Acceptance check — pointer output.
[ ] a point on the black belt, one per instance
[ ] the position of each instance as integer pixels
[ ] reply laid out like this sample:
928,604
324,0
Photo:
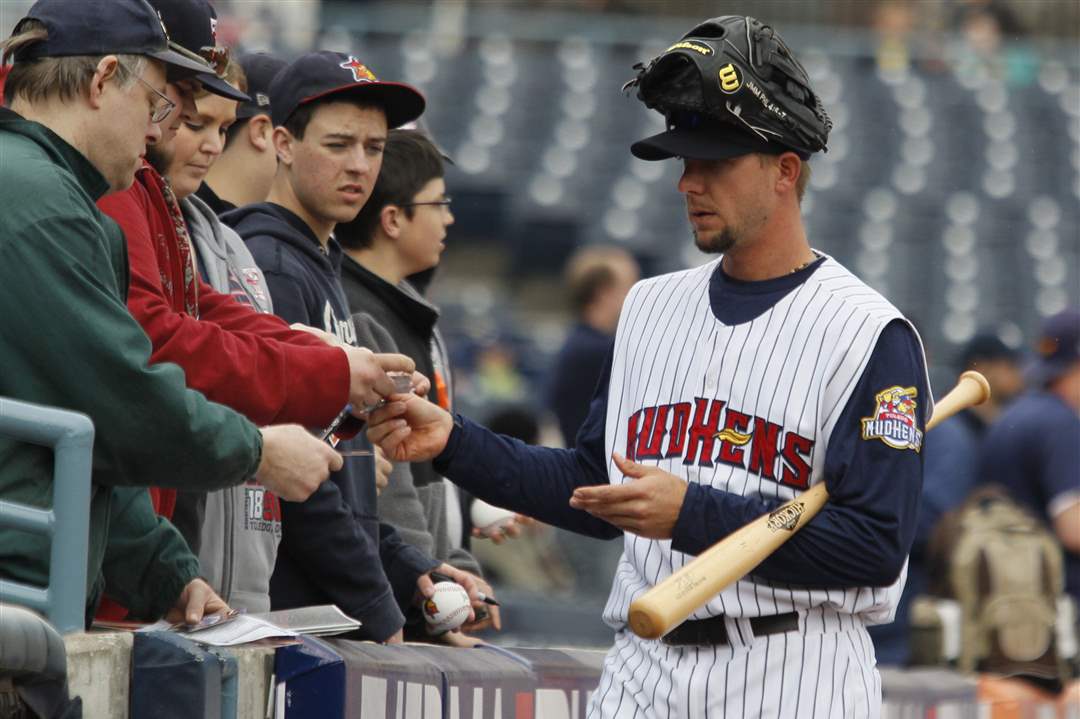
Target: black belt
706,632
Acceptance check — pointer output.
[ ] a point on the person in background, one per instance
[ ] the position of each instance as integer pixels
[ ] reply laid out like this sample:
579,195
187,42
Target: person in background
597,280
1033,451
245,169
950,471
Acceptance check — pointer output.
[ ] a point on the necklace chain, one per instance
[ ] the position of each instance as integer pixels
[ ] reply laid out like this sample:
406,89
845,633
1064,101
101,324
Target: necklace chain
806,264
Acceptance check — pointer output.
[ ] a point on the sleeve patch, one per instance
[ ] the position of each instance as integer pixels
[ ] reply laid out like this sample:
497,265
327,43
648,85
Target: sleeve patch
894,421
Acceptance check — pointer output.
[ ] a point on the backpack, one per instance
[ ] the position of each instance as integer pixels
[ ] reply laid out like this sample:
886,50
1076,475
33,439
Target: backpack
1004,572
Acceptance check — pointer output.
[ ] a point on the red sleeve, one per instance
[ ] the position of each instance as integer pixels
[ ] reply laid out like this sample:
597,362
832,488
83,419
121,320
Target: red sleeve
247,369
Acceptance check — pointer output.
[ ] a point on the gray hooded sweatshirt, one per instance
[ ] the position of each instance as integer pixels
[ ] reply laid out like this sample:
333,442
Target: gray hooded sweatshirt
240,527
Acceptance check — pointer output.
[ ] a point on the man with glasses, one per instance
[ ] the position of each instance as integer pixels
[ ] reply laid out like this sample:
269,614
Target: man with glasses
80,110
401,231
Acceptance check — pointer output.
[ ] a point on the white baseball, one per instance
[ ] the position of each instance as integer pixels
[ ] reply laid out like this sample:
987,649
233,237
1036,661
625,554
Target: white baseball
448,608
488,518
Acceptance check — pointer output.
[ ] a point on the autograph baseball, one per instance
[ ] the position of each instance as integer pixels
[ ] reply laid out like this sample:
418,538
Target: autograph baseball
488,518
448,608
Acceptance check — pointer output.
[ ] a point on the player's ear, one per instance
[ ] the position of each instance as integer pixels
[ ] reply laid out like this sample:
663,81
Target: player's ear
789,167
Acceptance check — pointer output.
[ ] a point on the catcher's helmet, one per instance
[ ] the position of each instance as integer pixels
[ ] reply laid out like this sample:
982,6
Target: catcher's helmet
728,87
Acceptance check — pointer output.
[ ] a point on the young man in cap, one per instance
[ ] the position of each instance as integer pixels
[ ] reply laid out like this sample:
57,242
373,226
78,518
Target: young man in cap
331,117
81,109
731,388
244,172
1033,448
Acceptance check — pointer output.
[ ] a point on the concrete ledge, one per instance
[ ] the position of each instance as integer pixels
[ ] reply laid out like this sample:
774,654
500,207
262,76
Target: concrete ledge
254,667
99,671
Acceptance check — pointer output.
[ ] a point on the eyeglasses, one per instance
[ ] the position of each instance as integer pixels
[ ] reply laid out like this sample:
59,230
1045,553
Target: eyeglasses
444,202
160,108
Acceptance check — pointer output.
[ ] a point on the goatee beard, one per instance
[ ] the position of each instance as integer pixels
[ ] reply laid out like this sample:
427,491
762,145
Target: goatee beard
715,244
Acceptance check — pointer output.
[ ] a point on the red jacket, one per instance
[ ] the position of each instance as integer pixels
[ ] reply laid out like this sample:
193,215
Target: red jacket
234,355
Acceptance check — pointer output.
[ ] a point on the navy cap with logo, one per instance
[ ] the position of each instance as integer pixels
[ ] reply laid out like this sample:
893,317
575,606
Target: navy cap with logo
319,75
1058,348
260,70
699,137
103,27
192,28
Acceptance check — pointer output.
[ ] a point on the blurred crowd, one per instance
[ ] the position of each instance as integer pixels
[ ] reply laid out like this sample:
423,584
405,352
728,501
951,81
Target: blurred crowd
208,253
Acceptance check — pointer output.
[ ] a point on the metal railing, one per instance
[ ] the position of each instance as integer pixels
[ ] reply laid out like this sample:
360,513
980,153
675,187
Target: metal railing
67,524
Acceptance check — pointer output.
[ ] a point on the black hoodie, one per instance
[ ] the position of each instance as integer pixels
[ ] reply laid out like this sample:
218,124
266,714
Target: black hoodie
333,548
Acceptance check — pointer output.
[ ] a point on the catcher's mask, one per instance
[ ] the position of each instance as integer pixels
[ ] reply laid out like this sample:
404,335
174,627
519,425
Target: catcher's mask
729,87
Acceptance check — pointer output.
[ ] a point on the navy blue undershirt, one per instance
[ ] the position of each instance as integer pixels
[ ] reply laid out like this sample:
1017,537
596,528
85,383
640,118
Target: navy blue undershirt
860,538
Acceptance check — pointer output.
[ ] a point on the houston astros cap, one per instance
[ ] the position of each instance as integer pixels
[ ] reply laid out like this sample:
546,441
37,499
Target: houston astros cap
192,28
319,75
103,27
260,70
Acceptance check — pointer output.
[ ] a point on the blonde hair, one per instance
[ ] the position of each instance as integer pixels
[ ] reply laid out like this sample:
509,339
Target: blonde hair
68,77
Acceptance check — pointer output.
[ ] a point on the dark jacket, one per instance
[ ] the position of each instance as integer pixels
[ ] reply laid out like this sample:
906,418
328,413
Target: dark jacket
67,340
333,548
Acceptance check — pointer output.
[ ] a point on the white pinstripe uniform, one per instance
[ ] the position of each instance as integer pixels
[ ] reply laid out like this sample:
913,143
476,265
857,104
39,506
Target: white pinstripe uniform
790,372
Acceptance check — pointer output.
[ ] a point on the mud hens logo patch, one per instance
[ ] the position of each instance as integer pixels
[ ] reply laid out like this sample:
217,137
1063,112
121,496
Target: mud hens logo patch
708,431
360,72
894,420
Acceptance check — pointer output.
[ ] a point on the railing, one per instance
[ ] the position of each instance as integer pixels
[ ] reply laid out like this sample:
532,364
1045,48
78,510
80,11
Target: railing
67,524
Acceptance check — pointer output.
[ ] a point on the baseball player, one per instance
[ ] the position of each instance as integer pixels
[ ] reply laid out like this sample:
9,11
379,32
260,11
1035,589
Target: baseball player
730,388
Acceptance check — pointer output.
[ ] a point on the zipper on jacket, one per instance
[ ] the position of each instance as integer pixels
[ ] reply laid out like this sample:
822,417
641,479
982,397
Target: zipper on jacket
230,543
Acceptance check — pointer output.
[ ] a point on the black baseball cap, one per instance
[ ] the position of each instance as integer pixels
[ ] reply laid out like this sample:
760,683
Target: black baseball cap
319,75
698,137
260,69
103,27
192,28
1058,348
986,347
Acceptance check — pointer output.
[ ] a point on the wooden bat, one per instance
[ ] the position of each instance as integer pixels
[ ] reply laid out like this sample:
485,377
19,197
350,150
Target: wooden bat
669,603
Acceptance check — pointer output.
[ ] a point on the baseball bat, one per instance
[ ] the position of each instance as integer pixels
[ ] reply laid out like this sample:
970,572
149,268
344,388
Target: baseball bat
670,602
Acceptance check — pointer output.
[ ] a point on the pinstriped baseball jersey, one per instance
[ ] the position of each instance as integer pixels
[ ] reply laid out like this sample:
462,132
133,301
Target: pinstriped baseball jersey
746,408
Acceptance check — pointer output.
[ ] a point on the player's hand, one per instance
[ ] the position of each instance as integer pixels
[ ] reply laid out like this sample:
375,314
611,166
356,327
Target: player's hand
410,429
510,530
397,637
648,505
383,468
327,337
368,381
197,600
294,463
